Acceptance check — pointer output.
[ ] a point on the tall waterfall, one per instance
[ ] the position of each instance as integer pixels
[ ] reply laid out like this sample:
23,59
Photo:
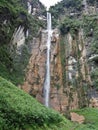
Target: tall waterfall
47,78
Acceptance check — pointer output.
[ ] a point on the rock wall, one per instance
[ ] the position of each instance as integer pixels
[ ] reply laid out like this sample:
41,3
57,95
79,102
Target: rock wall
36,69
70,68
34,81
69,71
76,71
70,74
72,92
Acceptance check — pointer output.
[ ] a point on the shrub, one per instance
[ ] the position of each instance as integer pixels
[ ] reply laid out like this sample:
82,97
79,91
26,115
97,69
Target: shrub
18,109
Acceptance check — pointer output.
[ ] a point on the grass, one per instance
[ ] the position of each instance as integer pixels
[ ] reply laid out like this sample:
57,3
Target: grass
91,118
18,110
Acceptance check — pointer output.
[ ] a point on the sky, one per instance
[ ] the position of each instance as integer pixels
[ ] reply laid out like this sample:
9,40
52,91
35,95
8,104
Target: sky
49,3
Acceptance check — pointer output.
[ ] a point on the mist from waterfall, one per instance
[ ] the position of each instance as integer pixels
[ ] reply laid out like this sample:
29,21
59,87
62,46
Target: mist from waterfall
47,78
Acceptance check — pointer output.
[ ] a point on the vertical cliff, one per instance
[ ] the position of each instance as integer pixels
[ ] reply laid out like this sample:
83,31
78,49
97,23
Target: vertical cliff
35,76
78,26
72,83
69,70
20,21
73,56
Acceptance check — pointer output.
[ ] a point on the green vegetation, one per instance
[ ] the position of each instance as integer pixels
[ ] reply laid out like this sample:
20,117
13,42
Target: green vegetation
63,60
90,24
91,118
13,67
91,30
94,76
18,110
13,13
70,25
65,8
69,4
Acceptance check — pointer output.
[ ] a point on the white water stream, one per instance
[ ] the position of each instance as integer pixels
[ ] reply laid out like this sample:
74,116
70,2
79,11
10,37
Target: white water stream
29,7
86,6
47,78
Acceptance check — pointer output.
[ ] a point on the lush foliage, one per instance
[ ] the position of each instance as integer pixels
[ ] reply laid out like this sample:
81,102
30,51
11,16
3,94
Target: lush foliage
90,25
60,7
13,13
94,76
65,8
70,25
11,68
91,118
10,18
18,109
63,60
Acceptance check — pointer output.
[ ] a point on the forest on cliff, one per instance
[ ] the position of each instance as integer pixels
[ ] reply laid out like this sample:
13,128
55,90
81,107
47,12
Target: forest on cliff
73,94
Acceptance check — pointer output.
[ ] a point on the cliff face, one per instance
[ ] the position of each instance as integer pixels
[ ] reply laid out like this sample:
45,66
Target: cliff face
35,76
36,68
74,52
71,65
69,71
76,76
18,26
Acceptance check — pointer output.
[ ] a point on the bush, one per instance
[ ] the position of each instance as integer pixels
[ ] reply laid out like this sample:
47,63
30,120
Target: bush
19,110
70,25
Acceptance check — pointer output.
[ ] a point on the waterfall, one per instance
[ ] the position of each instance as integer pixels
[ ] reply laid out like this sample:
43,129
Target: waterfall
86,6
47,78
29,7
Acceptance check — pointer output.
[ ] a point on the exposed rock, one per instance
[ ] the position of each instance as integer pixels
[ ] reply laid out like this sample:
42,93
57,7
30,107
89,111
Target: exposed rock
77,118
63,97
94,102
18,40
35,75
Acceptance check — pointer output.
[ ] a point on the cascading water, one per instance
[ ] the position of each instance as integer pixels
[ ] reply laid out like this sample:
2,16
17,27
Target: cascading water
47,78
86,6
29,7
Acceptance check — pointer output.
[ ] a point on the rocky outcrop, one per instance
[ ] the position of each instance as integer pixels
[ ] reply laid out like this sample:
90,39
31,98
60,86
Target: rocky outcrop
77,118
94,102
36,8
18,40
